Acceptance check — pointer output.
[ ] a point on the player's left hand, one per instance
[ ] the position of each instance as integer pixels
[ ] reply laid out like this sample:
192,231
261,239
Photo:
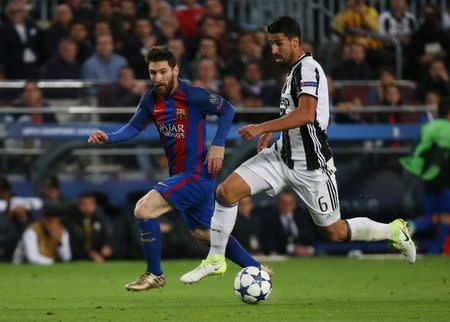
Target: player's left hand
249,132
214,160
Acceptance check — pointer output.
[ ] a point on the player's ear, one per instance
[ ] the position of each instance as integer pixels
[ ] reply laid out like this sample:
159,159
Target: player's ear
176,70
296,43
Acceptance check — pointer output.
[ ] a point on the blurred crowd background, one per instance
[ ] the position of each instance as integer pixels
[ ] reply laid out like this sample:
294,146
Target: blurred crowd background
387,62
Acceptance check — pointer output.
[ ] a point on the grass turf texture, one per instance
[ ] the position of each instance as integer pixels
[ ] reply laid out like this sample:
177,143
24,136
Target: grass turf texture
303,289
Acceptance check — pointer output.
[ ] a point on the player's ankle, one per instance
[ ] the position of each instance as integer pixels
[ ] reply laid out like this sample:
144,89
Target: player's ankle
215,259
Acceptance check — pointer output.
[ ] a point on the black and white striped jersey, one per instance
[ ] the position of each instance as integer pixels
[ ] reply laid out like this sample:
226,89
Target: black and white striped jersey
391,26
306,147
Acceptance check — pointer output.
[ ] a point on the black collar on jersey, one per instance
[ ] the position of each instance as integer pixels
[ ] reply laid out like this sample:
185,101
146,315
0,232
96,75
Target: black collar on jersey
305,55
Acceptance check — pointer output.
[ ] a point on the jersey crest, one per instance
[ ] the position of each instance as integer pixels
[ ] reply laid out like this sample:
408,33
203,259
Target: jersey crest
181,113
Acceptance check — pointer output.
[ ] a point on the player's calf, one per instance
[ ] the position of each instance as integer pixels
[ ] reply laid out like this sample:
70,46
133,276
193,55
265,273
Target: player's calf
337,232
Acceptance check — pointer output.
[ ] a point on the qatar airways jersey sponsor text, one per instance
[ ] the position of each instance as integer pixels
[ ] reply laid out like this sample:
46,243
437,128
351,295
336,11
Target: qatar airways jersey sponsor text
171,130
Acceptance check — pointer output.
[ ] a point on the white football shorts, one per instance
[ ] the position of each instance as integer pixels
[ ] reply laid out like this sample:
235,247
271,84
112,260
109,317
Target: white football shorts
267,172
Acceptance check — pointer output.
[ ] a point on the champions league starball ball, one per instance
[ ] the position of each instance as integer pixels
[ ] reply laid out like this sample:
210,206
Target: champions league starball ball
252,285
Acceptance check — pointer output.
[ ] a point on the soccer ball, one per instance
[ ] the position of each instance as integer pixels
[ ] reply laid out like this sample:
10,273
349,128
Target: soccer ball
252,285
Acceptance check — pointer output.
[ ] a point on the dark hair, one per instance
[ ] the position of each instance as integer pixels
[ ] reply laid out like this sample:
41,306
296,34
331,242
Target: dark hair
204,18
51,211
86,195
386,69
68,40
285,25
444,107
52,181
161,53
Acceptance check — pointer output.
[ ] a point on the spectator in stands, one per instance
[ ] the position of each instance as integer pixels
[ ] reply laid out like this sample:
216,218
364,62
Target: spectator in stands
79,34
16,213
431,162
137,46
206,75
397,22
208,49
214,27
80,11
393,99
285,230
432,99
155,9
20,42
214,8
188,15
50,189
104,65
176,45
169,28
105,12
32,96
247,228
436,78
127,9
125,15
356,68
125,92
377,95
253,84
262,41
359,16
89,232
358,23
429,42
232,90
345,107
59,29
52,196
45,242
63,65
248,50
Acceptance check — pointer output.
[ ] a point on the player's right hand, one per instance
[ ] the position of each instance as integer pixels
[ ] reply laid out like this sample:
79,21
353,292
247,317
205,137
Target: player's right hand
263,141
98,137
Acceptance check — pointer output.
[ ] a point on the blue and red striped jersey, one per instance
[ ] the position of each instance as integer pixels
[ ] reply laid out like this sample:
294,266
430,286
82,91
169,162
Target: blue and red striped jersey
180,120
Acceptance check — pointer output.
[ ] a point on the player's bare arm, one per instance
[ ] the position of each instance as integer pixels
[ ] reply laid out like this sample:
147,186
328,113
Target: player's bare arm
305,113
98,137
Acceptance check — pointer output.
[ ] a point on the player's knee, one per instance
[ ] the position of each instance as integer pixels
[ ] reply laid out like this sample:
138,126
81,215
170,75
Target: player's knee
225,194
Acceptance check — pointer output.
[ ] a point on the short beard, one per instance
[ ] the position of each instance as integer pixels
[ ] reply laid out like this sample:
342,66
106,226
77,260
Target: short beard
286,62
167,89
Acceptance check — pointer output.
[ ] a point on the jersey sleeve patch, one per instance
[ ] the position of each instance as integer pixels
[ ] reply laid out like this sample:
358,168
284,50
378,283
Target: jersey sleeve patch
215,100
309,84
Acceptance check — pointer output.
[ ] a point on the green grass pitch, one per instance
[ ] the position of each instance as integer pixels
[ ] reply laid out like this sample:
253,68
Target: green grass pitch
315,289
